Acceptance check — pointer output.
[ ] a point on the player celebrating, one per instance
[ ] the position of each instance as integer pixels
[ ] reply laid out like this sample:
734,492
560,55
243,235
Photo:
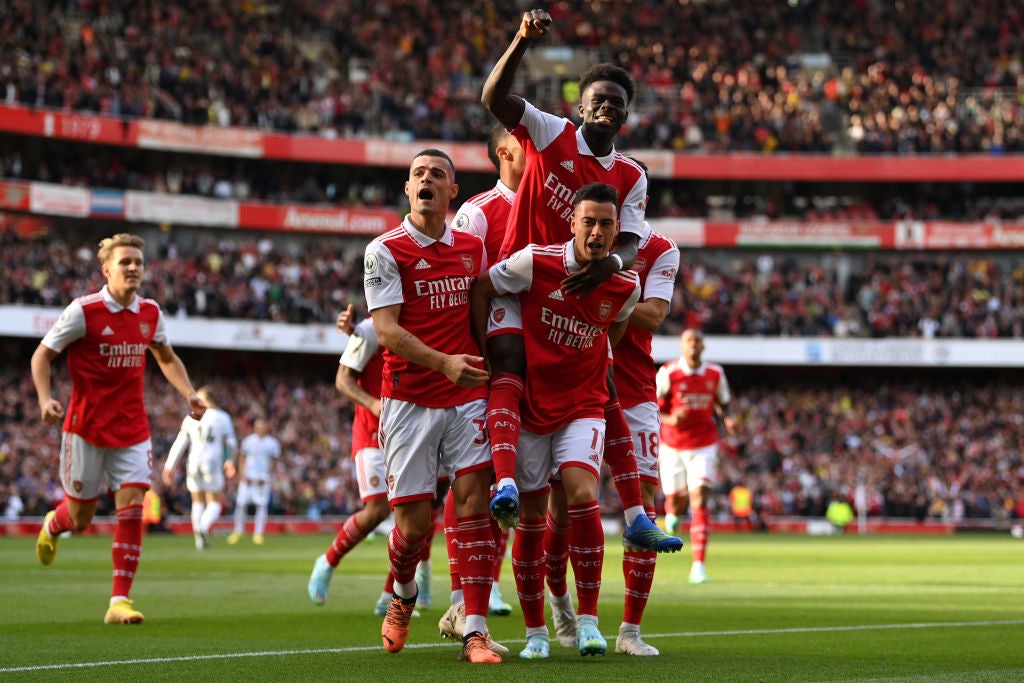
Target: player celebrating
566,341
560,159
212,446
690,393
486,216
105,433
433,405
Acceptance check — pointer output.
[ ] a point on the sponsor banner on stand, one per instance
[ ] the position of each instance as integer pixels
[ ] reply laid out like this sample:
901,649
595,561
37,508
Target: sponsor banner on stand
59,200
168,135
202,333
152,207
106,204
466,157
686,232
298,218
813,234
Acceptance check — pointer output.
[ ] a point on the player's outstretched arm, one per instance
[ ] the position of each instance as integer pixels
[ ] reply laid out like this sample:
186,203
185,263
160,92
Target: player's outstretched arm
175,372
497,92
50,409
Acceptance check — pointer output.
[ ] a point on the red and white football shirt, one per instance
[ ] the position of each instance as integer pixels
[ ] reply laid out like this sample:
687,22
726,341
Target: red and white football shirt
106,345
565,337
486,215
363,354
657,263
431,279
558,163
699,390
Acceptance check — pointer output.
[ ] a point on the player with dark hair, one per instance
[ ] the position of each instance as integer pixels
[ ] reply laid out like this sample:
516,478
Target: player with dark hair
691,394
560,159
567,342
433,395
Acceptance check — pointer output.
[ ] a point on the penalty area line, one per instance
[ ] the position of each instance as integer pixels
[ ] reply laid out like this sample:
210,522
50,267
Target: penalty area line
423,646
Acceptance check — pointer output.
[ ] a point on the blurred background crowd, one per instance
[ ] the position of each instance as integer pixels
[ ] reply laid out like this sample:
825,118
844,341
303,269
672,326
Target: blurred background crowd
862,77
796,76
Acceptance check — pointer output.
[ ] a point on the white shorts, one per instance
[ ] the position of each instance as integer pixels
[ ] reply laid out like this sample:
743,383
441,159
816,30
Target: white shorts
542,456
84,467
423,444
682,470
506,315
253,492
370,474
645,425
206,476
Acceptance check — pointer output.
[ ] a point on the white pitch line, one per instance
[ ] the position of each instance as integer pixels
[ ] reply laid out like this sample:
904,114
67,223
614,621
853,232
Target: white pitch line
421,646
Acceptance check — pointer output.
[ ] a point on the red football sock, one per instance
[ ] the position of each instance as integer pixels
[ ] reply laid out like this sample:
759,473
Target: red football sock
349,535
528,567
699,532
404,555
503,422
618,453
451,527
127,548
638,573
476,559
61,521
500,547
556,553
586,553
435,512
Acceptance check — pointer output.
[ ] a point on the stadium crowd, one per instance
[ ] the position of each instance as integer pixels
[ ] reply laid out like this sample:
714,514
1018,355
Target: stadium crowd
854,294
920,451
716,76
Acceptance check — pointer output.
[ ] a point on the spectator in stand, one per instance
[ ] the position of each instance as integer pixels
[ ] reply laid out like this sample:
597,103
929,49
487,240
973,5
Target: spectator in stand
718,82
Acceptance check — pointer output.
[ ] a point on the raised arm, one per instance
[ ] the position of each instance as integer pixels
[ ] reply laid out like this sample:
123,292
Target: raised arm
497,93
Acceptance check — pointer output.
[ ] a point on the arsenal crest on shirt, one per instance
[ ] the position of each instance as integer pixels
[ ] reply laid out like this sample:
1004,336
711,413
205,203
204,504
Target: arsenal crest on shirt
467,261
605,309
144,329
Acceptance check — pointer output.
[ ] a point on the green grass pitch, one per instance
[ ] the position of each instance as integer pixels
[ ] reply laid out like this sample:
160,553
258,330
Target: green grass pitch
779,608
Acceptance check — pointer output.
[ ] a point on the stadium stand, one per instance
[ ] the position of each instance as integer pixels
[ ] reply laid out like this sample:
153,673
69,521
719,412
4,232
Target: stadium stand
863,86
